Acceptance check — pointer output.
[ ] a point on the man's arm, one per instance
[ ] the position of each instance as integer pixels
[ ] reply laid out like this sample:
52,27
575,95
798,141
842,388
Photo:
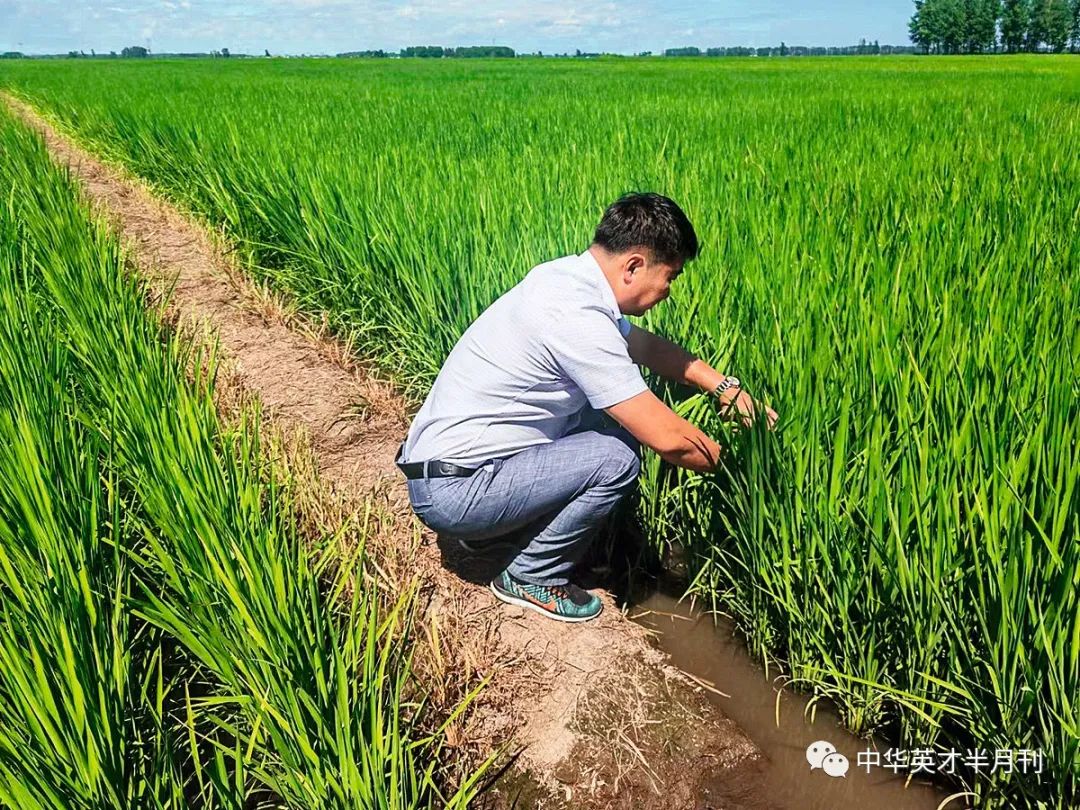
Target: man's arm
673,362
670,360
674,439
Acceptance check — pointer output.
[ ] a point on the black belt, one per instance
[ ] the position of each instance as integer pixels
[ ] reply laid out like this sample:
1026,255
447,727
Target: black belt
432,469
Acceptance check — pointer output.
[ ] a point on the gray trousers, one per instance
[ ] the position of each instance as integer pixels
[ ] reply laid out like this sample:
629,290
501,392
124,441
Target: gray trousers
549,498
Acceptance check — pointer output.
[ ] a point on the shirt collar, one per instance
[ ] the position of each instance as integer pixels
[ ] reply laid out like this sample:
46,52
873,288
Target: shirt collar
607,294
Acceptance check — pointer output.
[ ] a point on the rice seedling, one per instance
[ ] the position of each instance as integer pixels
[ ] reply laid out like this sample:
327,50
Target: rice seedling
173,642
87,690
890,259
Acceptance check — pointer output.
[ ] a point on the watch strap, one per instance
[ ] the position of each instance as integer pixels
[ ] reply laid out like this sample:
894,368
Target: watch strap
727,384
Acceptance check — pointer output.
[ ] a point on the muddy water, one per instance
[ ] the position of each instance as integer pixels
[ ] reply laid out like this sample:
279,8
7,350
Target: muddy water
713,653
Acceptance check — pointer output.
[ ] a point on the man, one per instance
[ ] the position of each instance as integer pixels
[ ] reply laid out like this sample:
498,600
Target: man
511,439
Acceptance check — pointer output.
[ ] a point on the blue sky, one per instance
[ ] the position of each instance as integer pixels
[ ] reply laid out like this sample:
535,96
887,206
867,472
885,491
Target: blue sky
331,26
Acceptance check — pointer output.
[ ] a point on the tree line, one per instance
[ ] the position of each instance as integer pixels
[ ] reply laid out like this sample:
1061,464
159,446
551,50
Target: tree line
139,52
864,48
987,26
436,52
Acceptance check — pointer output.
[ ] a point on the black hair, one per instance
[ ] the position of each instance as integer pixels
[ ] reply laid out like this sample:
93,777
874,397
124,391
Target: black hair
647,220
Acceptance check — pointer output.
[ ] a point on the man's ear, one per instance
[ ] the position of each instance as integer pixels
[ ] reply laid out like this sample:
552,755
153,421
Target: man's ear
633,263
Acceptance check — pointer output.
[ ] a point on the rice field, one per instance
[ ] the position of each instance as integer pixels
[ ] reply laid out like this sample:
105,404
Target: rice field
890,258
171,638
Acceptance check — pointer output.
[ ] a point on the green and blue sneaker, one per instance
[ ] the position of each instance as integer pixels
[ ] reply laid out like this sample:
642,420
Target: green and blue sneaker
564,603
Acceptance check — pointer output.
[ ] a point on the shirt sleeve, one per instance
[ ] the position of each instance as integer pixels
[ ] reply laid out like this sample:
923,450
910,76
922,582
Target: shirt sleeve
591,349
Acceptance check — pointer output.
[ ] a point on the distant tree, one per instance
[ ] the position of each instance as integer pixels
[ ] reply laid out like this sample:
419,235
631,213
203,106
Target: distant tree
266,51
926,25
954,26
783,48
135,52
735,50
1039,25
990,12
426,51
225,52
1015,17
688,51
918,28
11,55
112,53
475,51
1061,24
1035,32
1075,32
1051,23
971,34
980,25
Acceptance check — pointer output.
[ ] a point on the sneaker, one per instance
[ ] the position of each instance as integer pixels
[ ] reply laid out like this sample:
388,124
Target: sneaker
564,603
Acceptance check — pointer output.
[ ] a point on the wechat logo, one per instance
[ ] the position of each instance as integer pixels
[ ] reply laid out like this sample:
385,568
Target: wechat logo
822,754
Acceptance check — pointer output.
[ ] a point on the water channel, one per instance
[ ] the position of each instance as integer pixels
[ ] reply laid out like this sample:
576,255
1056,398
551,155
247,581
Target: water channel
712,653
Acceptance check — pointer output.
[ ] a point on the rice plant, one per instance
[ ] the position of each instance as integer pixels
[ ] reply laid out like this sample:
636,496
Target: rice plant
171,640
890,259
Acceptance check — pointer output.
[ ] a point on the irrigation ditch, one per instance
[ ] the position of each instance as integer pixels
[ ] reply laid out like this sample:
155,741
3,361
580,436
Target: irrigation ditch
596,715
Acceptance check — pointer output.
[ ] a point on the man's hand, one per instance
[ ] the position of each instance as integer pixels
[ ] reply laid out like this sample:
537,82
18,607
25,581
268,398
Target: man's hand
741,406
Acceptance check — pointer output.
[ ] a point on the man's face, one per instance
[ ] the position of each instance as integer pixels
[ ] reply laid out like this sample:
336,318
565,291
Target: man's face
646,282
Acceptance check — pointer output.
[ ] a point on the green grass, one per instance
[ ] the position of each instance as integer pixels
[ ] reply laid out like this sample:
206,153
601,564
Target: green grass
890,258
170,640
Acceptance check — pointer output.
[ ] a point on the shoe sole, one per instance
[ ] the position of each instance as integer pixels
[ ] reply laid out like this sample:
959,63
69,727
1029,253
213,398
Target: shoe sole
525,603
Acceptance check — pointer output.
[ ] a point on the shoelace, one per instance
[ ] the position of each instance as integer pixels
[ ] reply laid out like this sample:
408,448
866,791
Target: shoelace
549,591
560,591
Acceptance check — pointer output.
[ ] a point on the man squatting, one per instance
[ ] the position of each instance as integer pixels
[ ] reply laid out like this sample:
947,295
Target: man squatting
512,445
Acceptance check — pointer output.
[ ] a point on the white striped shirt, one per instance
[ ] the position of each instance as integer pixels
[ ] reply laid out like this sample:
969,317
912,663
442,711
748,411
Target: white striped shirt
524,370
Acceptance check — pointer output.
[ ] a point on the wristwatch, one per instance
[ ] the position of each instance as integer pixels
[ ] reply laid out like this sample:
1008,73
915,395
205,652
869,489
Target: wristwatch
725,384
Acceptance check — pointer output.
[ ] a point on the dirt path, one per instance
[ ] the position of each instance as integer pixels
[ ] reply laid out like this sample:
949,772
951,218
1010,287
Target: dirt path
603,719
